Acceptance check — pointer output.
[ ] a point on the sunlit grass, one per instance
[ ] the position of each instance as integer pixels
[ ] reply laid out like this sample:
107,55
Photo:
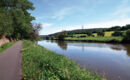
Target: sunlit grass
96,39
78,35
106,34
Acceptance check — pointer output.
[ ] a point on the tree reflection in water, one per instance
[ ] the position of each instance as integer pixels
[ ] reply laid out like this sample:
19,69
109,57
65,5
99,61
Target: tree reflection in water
119,47
127,46
62,45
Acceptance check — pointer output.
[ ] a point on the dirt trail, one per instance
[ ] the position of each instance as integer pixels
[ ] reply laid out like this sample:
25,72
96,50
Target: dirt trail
10,62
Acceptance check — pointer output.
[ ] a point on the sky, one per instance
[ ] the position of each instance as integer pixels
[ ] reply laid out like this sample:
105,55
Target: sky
58,15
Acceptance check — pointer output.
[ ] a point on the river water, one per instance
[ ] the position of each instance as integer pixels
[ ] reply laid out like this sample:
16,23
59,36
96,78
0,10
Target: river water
111,60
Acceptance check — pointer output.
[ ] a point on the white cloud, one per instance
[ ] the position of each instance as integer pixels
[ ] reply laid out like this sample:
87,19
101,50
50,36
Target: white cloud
106,24
122,10
121,13
46,25
62,13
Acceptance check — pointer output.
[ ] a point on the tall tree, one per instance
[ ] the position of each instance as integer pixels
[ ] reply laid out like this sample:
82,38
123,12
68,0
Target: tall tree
15,19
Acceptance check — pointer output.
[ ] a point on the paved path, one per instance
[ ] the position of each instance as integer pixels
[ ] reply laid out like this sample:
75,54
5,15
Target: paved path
10,62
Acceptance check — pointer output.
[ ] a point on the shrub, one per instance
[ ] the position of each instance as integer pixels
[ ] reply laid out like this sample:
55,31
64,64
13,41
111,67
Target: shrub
117,33
127,37
100,33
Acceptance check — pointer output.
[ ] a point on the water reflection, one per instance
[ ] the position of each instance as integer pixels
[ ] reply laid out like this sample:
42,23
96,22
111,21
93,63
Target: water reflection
127,48
118,47
62,44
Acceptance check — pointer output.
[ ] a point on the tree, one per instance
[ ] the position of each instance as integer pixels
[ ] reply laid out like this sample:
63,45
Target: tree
115,28
100,33
62,35
15,20
117,33
37,27
33,34
125,27
21,18
5,19
127,37
89,33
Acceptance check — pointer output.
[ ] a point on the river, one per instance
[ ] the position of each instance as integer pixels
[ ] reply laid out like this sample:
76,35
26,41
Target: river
111,60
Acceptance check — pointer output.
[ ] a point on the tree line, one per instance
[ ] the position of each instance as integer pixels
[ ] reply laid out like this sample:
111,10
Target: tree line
119,31
95,30
15,20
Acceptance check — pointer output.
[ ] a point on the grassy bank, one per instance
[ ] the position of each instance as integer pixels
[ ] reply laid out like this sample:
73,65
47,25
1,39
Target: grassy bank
6,46
96,39
39,63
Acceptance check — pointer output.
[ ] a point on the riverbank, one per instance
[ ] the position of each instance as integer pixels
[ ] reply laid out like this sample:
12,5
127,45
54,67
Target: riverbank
40,63
97,39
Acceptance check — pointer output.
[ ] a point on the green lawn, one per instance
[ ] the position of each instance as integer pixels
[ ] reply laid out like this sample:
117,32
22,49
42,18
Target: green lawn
96,39
39,63
6,46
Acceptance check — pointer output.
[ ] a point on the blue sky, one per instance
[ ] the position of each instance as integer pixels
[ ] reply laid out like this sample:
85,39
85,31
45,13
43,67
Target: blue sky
58,15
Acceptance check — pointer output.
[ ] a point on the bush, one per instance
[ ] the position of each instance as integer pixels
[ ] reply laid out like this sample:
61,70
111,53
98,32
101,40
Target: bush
89,33
62,35
100,33
127,37
117,33
82,36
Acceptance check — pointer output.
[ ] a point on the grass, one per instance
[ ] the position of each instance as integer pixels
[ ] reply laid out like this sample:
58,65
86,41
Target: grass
39,63
6,46
107,38
97,39
78,35
106,34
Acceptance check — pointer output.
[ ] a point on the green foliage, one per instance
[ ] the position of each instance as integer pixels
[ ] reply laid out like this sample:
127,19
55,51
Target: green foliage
125,27
5,22
61,35
100,33
117,33
6,46
39,63
115,28
127,36
89,33
15,20
79,35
